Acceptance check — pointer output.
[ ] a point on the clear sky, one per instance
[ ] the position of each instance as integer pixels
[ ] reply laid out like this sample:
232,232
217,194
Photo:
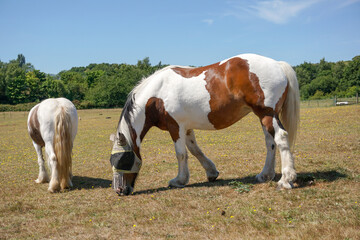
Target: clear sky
57,35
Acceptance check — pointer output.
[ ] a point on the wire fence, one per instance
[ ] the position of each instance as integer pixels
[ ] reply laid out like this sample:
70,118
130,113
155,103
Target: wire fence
335,101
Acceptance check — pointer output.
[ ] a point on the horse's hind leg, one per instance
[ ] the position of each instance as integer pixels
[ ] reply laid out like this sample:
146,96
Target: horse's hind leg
273,129
181,154
43,176
268,172
54,184
287,159
207,164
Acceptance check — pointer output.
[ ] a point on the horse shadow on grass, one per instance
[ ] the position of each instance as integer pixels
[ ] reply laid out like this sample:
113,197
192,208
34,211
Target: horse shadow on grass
304,179
83,182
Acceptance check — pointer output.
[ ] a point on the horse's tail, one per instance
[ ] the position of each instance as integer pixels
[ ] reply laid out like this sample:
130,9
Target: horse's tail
63,145
290,112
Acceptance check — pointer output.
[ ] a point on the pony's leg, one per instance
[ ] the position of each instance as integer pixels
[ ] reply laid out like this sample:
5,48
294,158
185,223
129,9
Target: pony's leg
43,176
207,164
268,172
287,159
70,174
54,184
183,171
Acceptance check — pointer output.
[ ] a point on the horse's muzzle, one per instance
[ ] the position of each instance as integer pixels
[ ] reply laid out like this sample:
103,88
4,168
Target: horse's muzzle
119,185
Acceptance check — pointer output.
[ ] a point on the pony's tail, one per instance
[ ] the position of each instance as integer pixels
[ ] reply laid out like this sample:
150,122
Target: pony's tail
63,145
290,112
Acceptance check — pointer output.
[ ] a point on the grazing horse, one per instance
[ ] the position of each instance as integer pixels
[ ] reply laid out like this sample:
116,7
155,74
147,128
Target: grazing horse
53,124
180,99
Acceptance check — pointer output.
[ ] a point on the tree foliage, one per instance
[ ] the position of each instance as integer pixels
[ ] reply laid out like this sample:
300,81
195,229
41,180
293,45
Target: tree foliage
96,85
108,85
326,79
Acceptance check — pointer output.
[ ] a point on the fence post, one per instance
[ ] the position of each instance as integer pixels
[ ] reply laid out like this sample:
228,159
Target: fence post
335,100
357,98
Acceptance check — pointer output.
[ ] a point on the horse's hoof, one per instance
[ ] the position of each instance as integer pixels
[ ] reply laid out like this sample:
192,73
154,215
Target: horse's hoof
261,178
174,184
213,178
124,191
284,185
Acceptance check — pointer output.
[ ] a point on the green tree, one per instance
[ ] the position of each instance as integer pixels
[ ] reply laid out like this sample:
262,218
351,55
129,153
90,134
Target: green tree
21,60
3,97
351,75
53,88
16,90
92,77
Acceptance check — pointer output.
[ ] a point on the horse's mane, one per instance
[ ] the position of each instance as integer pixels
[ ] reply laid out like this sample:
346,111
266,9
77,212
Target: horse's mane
130,104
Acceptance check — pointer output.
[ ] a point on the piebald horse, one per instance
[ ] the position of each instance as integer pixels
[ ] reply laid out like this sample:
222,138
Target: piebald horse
180,99
53,124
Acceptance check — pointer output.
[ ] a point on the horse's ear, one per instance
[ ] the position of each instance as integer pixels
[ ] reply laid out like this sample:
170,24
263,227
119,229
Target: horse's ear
112,137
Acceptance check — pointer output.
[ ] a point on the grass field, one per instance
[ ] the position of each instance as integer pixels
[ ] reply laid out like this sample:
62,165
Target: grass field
325,204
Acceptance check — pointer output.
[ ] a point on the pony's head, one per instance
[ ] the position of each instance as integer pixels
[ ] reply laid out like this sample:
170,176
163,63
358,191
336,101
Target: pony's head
125,165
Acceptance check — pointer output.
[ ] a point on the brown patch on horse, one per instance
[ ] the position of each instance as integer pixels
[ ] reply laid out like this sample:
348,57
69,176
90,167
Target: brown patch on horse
234,91
156,115
281,101
34,128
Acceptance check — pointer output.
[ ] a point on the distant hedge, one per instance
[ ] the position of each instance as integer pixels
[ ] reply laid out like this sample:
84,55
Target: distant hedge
17,107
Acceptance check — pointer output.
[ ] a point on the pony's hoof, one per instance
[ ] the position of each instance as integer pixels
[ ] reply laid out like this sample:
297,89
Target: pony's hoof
214,177
51,190
43,180
54,187
70,184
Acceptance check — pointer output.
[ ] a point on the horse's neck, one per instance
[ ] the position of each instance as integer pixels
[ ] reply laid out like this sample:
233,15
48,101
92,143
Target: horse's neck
134,130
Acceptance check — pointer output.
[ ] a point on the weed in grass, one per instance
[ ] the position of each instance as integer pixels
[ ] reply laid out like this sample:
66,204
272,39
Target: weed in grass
241,187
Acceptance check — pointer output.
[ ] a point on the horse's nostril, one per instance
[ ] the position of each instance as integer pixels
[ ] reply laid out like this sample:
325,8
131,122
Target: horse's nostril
120,191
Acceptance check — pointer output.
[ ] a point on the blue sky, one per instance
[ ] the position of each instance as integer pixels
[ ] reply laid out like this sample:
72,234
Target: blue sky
57,35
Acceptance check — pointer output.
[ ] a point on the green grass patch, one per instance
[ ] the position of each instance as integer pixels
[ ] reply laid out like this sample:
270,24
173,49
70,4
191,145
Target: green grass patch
241,187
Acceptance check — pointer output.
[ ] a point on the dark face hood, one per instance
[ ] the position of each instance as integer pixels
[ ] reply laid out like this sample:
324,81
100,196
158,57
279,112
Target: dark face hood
124,160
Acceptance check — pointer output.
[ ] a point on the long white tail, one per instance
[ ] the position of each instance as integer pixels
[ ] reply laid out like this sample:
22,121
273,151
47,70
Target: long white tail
63,145
290,112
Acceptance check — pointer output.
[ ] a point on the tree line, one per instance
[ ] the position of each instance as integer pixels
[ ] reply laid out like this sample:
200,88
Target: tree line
327,79
96,85
107,85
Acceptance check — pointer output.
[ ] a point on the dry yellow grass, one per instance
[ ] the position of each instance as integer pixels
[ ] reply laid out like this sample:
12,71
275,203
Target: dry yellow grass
324,205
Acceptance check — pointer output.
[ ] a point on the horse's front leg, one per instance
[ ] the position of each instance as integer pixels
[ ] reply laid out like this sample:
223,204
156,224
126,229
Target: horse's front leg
183,171
43,176
211,172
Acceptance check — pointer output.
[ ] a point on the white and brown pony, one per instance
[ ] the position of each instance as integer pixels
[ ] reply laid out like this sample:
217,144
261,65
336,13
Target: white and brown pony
180,99
53,124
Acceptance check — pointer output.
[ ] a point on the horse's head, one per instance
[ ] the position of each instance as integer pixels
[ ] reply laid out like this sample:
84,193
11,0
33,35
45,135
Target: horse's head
125,165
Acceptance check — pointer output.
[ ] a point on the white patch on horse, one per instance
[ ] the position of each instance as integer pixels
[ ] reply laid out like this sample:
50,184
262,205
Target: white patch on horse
185,99
272,79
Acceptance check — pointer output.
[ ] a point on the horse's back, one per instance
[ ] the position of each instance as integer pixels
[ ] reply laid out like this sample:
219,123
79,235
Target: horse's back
218,95
46,112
